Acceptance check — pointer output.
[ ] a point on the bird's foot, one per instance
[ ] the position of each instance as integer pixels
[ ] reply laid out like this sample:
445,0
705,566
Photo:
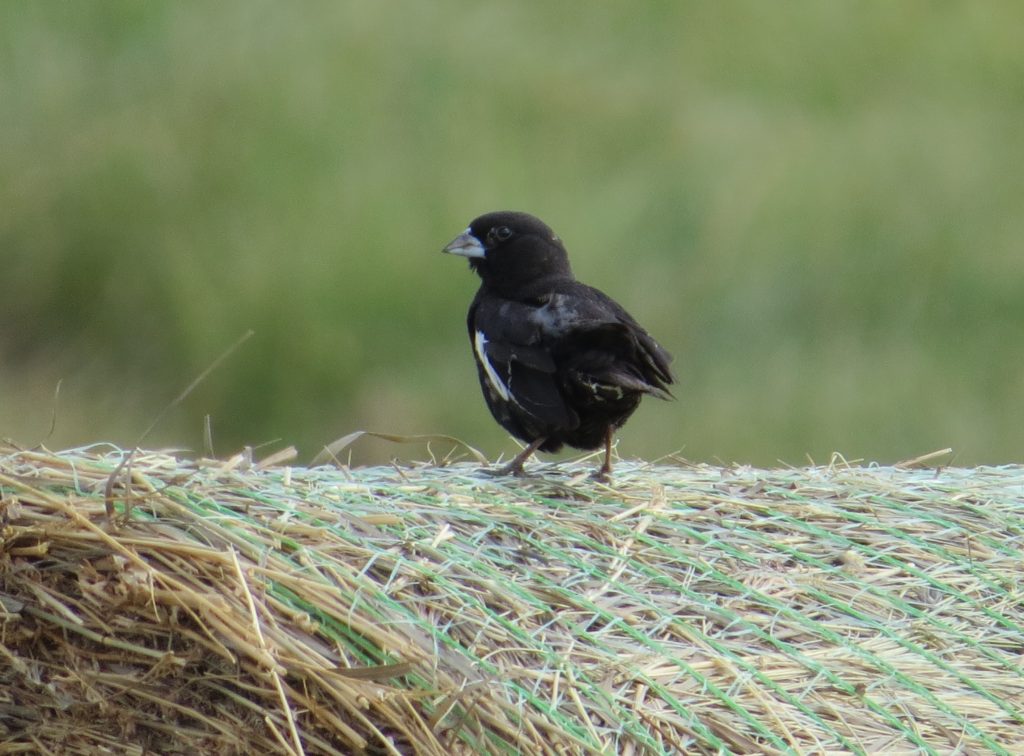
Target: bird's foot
515,467
603,474
509,469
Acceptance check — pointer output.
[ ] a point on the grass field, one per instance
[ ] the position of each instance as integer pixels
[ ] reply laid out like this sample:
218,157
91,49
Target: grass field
816,208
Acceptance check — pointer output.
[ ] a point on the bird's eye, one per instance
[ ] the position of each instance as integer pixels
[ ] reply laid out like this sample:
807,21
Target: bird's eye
501,233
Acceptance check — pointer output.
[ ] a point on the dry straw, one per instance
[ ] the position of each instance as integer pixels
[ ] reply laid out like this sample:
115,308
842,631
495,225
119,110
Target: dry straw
235,608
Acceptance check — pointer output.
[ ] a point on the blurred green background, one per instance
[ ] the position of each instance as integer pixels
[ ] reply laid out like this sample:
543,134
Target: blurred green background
817,207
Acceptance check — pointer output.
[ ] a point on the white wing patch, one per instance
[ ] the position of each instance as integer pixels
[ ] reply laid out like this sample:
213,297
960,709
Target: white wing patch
479,344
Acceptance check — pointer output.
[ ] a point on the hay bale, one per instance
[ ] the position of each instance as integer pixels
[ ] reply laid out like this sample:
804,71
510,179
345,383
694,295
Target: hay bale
252,609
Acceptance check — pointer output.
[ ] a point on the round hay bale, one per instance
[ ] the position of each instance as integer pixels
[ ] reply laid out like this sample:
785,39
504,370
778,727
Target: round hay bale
166,605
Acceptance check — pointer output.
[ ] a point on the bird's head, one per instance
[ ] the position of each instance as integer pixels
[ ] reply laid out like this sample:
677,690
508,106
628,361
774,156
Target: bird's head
510,250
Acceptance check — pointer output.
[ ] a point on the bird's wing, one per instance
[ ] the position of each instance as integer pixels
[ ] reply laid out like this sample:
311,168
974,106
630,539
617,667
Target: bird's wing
514,364
603,341
618,356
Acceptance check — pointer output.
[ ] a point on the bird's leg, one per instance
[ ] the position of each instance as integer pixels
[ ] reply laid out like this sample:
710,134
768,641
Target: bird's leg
605,471
515,467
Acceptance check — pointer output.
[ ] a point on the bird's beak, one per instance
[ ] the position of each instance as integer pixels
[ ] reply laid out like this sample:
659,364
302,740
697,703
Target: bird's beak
465,245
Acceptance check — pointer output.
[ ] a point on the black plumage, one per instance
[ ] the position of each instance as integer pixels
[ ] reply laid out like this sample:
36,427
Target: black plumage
559,361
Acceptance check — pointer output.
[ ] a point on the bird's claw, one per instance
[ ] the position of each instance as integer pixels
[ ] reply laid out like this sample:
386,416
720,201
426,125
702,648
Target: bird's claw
500,472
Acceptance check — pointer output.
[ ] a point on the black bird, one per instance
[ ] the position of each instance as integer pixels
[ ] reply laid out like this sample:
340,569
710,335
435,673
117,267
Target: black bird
559,361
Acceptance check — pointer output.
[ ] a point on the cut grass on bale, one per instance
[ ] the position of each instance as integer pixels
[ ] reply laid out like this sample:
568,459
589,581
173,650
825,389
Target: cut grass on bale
234,608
